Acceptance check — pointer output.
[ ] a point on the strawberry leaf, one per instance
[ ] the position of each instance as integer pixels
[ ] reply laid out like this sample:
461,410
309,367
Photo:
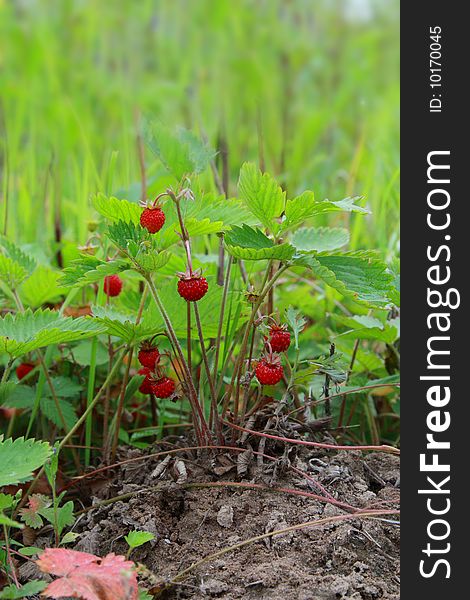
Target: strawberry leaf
11,592
19,458
262,196
117,210
24,332
31,515
358,275
138,538
64,515
305,207
248,243
89,269
320,239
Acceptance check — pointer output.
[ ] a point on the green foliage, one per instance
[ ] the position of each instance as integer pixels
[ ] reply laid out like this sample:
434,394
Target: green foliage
360,276
180,151
15,265
116,210
60,516
32,515
136,538
41,287
247,243
262,196
305,207
24,332
11,592
19,458
320,239
122,325
89,269
296,322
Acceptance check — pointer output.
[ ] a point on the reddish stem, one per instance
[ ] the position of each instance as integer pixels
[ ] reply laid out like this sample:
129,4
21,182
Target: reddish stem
383,448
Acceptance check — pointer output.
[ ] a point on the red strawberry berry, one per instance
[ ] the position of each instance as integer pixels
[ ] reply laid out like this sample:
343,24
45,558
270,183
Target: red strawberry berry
23,369
163,387
279,338
148,355
192,287
112,285
269,371
152,219
146,385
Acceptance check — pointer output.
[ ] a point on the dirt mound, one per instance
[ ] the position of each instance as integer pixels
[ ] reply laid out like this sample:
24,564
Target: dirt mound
350,560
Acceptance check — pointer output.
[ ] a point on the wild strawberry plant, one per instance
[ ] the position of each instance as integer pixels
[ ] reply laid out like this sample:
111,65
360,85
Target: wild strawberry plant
185,298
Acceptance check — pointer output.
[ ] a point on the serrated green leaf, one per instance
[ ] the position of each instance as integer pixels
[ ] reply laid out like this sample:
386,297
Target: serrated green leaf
305,207
123,325
262,196
320,239
11,592
357,275
31,514
29,589
24,332
64,387
248,243
365,327
152,261
50,411
136,538
395,289
19,458
41,287
296,322
21,257
20,396
11,273
89,269
6,501
117,210
15,265
129,236
218,208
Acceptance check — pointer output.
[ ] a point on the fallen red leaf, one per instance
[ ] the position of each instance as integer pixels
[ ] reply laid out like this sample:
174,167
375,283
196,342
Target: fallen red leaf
87,576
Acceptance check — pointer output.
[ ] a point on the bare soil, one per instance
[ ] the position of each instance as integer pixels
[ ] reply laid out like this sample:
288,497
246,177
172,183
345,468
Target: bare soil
356,559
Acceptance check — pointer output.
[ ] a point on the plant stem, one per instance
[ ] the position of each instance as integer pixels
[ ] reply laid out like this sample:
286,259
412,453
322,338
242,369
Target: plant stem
125,380
351,366
221,316
244,343
90,390
215,416
200,424
382,448
188,335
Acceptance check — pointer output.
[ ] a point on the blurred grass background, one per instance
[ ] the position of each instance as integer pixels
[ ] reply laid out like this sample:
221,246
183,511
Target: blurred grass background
317,79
